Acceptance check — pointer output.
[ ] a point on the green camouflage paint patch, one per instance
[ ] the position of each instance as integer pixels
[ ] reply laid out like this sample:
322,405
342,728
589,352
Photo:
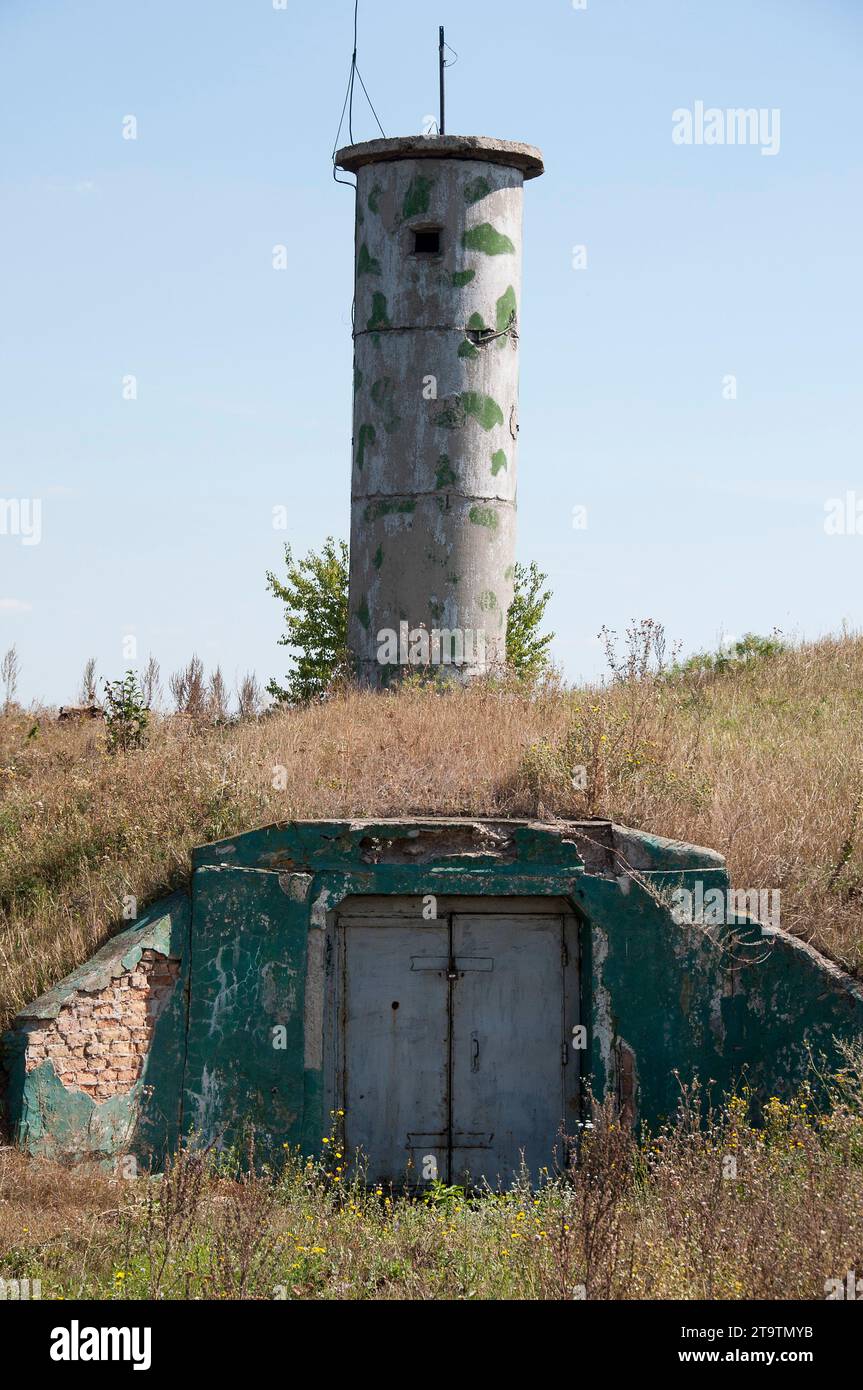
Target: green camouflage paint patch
358,379
509,573
498,461
506,310
367,436
436,610
445,476
484,516
374,198
367,264
384,395
484,409
374,510
488,240
462,277
477,323
417,197
452,416
378,558
363,613
467,349
477,188
379,317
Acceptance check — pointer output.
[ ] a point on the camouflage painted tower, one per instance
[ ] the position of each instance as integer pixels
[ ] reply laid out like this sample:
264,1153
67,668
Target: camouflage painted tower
435,436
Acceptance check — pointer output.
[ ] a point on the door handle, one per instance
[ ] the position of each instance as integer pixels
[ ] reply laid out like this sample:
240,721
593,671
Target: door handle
474,1052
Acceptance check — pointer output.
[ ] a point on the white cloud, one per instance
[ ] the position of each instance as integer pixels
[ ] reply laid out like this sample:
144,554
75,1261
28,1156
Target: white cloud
14,605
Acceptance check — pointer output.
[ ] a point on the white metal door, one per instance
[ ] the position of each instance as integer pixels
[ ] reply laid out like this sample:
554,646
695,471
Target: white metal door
508,1046
453,1044
396,1046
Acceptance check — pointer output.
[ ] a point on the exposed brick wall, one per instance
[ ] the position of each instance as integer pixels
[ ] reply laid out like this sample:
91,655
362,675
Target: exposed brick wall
99,1040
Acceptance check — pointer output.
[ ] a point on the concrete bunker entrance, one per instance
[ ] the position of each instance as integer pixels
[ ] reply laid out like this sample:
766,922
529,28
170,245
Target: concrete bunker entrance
429,978
452,1035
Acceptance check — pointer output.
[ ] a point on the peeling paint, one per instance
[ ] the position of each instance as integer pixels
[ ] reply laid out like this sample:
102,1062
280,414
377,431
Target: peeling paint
297,886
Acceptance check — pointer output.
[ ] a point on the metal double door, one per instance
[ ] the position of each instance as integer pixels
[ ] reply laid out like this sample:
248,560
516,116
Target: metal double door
454,1045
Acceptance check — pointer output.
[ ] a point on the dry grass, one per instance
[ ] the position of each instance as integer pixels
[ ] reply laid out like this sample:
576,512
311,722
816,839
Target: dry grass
716,1211
764,764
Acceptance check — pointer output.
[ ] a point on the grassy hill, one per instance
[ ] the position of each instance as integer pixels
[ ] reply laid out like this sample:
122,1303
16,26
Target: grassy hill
762,761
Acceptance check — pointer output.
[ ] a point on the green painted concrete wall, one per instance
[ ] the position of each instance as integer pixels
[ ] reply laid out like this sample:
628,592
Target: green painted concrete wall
242,1045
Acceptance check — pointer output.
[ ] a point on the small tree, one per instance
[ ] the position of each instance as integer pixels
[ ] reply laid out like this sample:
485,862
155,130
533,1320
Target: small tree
126,714
316,613
315,595
526,650
9,677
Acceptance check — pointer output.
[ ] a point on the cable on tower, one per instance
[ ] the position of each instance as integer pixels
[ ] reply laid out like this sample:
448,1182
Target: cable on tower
348,105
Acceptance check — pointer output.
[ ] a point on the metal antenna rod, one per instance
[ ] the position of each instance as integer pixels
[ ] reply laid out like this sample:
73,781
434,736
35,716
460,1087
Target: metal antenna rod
442,124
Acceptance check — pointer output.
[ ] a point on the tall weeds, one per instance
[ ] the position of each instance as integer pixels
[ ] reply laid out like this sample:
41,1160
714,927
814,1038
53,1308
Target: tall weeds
710,1207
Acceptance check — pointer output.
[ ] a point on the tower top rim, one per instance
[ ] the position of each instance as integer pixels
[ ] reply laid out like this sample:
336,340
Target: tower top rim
484,148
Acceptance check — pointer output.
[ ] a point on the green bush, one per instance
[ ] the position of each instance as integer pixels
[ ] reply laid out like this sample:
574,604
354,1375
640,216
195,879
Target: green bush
126,714
315,595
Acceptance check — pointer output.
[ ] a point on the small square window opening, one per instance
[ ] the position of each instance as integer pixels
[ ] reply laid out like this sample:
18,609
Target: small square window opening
427,242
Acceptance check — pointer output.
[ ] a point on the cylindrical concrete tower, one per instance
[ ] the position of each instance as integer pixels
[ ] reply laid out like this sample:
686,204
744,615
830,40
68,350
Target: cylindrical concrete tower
436,315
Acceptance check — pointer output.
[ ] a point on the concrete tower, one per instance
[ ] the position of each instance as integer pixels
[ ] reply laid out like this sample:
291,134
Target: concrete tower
436,318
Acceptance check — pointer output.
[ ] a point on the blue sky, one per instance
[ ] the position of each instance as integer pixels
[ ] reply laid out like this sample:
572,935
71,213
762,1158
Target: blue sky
153,257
